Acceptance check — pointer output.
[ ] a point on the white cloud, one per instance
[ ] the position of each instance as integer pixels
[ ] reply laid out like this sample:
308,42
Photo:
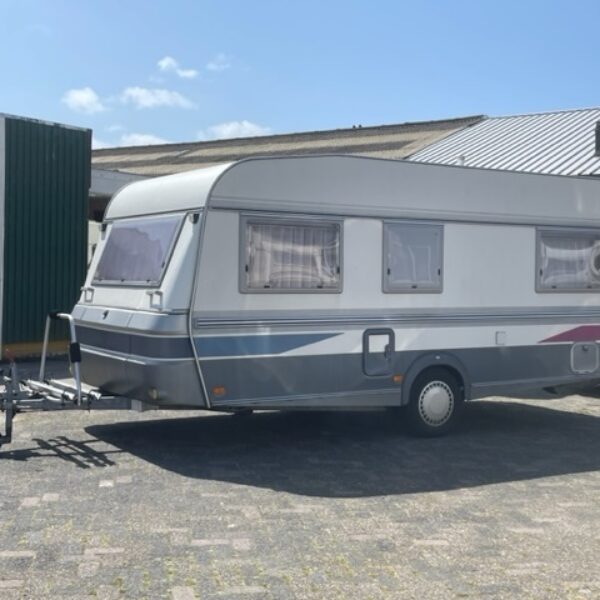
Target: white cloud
169,64
141,139
97,144
219,63
152,98
187,73
233,129
83,100
115,128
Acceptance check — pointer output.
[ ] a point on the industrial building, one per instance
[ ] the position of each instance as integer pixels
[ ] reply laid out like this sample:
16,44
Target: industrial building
111,167
384,141
562,142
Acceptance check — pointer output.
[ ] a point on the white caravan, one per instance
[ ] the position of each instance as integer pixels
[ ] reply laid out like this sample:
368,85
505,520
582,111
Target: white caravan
344,282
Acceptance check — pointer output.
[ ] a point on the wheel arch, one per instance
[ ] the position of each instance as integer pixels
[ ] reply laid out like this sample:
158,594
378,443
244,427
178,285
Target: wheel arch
442,360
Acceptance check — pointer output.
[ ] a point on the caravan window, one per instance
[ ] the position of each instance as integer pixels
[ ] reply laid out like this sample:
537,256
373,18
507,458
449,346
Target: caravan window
284,255
412,257
568,260
137,251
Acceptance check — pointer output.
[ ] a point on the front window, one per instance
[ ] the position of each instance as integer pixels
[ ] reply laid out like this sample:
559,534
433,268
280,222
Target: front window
137,251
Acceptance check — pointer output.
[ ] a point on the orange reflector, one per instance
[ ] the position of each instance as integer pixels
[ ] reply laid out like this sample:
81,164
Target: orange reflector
218,390
397,378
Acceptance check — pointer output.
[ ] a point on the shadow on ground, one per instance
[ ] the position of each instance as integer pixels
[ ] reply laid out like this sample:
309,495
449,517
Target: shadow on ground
365,454
82,454
346,454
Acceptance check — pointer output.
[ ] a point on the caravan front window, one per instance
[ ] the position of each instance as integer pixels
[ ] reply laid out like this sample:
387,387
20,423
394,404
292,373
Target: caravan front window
137,251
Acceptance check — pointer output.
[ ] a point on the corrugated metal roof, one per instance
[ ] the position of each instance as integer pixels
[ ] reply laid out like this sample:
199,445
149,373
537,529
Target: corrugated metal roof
557,143
384,141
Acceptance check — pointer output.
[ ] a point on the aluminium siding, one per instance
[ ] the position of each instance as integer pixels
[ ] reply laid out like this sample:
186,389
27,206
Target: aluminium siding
45,225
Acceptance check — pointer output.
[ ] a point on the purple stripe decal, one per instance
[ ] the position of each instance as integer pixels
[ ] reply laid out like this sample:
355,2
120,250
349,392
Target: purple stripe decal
583,333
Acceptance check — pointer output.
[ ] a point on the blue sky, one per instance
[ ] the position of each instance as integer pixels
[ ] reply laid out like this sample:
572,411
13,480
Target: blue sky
138,71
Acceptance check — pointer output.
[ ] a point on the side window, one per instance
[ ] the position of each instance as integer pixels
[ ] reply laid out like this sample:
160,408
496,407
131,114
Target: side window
294,255
412,257
568,260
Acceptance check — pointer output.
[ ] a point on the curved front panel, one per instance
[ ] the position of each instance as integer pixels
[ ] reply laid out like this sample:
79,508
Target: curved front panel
152,361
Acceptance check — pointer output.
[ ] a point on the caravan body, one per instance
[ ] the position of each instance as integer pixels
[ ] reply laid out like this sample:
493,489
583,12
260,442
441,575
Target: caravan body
335,281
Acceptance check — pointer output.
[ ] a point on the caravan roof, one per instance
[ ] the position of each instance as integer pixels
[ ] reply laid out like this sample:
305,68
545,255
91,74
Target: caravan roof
360,186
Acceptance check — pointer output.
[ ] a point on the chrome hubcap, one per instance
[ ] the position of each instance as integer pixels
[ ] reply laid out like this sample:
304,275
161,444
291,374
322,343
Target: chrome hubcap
436,403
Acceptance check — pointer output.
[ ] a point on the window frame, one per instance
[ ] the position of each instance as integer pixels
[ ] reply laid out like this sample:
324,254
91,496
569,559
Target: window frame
566,232
168,255
292,220
389,288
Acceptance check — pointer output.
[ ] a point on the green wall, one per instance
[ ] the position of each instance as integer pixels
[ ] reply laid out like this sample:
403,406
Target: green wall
45,224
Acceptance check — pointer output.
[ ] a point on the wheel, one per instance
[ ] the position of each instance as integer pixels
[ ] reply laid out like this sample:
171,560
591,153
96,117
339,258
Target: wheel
436,401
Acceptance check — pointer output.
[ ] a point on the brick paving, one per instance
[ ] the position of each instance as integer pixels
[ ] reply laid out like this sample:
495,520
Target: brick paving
183,505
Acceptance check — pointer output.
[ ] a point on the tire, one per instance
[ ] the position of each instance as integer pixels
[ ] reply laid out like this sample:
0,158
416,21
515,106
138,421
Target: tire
435,404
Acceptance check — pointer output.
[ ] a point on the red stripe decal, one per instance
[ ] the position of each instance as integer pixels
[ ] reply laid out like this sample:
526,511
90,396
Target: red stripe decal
583,333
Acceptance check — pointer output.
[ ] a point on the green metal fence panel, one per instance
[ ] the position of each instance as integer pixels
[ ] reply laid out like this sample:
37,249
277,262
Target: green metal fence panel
45,224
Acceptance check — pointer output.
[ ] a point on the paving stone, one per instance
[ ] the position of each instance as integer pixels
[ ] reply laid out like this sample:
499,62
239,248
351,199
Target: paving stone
183,593
181,505
88,568
29,502
9,584
103,551
243,591
215,542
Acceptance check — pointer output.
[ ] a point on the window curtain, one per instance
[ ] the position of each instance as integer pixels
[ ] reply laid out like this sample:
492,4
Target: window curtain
292,256
566,262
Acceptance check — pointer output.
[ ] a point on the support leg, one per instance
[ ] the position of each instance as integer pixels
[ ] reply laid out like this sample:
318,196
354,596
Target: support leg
9,413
